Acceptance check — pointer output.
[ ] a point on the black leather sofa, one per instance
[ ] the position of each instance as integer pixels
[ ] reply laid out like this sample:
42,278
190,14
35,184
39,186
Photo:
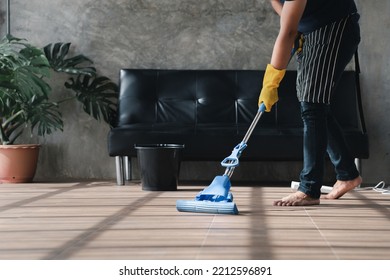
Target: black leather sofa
209,111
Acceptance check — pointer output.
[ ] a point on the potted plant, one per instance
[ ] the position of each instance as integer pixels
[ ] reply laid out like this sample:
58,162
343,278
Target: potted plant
26,100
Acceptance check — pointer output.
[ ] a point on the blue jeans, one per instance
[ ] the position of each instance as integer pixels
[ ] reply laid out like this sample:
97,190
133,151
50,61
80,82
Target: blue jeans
321,135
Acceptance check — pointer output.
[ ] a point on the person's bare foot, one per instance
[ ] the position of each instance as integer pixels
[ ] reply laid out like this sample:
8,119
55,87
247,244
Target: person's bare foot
342,187
297,199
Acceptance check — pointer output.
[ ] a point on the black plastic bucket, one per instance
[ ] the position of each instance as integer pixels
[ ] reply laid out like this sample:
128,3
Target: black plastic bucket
159,166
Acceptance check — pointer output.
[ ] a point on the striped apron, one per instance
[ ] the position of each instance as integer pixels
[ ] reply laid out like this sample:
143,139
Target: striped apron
317,63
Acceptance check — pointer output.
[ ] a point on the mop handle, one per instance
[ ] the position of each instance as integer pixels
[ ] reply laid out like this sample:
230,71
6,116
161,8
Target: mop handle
254,123
238,149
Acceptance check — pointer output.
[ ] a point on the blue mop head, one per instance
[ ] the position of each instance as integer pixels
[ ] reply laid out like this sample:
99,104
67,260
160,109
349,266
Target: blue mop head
215,199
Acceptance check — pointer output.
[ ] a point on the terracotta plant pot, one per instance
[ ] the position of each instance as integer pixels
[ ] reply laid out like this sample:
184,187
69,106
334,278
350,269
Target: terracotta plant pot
18,163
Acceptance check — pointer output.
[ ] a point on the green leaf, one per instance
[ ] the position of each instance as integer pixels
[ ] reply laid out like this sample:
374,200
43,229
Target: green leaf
98,95
44,116
57,55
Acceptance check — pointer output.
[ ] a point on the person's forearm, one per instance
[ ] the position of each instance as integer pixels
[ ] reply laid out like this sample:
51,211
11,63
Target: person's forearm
289,19
282,51
277,6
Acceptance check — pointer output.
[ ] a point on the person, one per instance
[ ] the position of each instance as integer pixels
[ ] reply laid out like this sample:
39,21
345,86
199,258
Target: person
328,34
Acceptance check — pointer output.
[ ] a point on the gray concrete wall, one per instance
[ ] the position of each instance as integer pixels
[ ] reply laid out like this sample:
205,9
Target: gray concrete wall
375,81
184,34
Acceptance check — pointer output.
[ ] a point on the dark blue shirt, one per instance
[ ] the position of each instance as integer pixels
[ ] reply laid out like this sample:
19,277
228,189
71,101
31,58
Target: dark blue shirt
319,13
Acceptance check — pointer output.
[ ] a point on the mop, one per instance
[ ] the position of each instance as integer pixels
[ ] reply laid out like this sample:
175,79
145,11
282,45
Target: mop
217,198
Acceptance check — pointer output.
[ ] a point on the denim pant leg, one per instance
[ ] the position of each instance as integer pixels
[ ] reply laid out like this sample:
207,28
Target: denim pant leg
314,116
338,152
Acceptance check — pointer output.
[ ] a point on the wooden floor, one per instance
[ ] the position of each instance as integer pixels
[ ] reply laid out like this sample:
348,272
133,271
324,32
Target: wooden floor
99,220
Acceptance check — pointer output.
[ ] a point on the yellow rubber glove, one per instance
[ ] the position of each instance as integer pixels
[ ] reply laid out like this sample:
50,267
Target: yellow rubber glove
271,81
